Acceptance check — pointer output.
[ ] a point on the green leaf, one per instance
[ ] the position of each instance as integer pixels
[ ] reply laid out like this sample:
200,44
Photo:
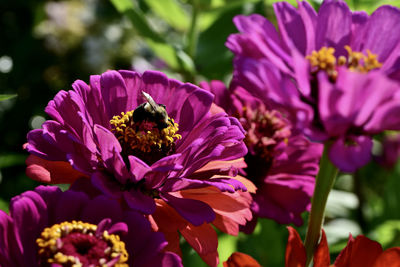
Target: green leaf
171,12
6,97
165,52
388,233
142,26
292,2
122,5
156,42
213,60
3,205
217,8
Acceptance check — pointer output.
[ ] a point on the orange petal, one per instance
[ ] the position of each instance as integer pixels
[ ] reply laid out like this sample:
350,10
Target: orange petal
235,206
295,251
239,259
204,240
359,252
390,257
221,164
166,220
251,188
226,225
321,254
52,172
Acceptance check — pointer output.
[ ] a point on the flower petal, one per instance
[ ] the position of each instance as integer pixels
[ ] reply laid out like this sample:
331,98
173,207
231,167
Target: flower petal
238,259
390,257
196,212
52,172
349,158
379,35
359,252
295,251
114,93
204,241
11,252
321,254
334,26
136,200
30,216
291,26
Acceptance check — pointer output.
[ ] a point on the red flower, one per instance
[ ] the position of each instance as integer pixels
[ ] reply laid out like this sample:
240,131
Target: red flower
359,252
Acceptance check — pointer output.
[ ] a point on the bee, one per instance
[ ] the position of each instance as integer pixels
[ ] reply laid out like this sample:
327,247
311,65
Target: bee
151,111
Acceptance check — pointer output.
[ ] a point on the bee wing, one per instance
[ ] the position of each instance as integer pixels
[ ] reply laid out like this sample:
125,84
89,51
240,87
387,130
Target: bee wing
150,100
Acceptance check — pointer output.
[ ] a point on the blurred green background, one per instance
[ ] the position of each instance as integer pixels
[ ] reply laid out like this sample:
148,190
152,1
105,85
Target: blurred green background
46,45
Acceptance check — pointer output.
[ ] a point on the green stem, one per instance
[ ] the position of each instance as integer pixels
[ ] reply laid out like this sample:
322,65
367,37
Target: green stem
323,185
193,31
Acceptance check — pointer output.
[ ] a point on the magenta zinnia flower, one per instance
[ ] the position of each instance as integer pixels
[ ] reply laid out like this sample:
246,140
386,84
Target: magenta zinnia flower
48,227
281,163
148,141
344,66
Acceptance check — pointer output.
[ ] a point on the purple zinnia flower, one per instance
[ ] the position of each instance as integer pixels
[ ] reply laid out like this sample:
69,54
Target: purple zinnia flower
48,227
144,139
281,163
345,68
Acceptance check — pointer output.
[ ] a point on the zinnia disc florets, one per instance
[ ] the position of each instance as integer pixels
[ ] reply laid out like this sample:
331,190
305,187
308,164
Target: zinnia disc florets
146,132
265,131
79,244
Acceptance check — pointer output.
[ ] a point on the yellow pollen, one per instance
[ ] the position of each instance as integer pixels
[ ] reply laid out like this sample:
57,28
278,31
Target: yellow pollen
325,60
143,136
48,249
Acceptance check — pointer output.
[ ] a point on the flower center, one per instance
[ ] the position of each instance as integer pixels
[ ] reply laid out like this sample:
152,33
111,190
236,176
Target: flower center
266,130
146,132
325,60
77,243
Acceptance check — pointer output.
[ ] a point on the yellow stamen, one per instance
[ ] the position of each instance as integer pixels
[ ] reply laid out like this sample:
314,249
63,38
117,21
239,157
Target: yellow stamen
138,136
325,60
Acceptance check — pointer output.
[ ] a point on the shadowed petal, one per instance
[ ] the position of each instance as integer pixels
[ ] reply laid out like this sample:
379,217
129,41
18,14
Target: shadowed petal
350,157
196,212
136,200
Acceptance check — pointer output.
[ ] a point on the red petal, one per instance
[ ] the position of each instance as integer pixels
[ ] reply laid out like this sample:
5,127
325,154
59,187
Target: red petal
166,220
239,259
390,257
359,252
295,250
51,172
321,254
204,240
